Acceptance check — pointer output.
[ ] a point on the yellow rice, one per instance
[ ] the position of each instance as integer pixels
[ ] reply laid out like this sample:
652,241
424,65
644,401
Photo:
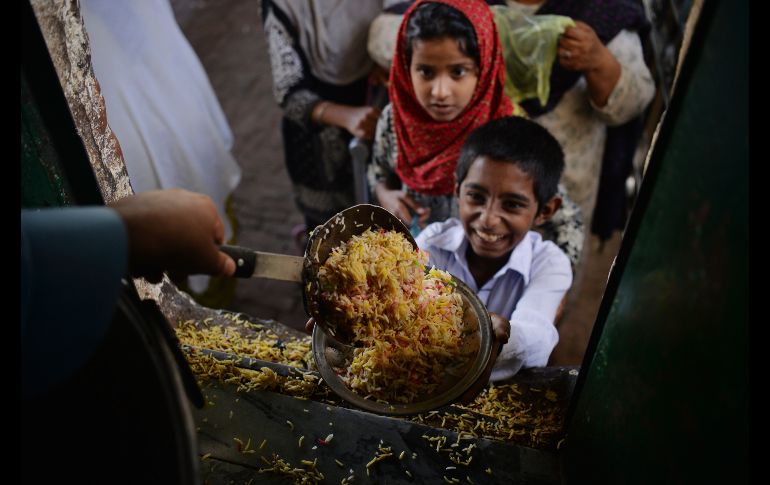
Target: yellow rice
408,325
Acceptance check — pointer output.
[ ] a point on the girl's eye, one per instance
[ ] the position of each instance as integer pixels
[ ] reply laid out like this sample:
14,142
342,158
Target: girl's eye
425,72
459,71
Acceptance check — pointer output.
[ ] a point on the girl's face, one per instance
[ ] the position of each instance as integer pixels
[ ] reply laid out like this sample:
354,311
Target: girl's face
444,79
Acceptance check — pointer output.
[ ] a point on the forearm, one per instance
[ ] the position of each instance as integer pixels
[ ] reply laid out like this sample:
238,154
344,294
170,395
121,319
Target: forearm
533,334
635,87
602,78
329,113
530,345
359,121
300,105
381,188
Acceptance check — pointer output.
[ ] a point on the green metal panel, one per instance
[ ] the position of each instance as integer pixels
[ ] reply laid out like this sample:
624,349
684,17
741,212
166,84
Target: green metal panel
43,182
55,168
664,398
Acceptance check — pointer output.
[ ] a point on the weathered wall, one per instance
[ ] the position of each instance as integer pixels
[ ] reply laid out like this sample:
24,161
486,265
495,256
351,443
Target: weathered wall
67,42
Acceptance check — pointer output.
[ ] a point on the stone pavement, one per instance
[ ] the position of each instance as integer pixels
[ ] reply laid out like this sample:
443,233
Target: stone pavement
227,36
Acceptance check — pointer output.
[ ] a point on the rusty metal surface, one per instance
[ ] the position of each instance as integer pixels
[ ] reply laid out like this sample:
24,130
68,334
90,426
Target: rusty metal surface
233,425
177,306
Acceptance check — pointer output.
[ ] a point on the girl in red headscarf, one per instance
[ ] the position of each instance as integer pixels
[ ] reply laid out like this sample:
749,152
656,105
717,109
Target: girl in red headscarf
446,80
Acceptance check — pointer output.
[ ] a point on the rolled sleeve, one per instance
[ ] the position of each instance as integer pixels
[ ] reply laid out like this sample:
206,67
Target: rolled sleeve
533,334
635,87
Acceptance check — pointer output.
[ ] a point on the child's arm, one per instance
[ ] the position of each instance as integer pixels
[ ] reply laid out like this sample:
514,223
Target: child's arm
533,334
401,204
359,121
382,174
293,85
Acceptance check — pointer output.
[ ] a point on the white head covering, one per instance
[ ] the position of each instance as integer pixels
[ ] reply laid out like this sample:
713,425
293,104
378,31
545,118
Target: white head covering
332,34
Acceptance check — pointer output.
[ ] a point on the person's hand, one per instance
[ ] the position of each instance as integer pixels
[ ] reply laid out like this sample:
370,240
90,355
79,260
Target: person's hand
501,330
501,327
379,76
401,205
173,230
360,121
560,310
580,48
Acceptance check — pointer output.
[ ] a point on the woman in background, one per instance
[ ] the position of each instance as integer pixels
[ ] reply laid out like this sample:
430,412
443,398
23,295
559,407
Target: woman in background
164,112
320,68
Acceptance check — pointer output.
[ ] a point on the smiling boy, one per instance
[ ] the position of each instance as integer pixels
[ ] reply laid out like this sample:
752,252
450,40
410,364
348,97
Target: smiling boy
507,177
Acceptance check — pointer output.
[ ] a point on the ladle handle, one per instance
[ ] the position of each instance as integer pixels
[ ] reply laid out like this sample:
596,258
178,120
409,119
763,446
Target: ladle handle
245,260
258,264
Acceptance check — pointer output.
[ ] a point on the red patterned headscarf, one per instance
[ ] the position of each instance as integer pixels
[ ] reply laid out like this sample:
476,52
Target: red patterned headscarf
428,149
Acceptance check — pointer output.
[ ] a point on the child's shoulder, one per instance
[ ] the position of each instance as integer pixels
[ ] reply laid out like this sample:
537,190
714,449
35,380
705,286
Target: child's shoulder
387,113
543,251
385,121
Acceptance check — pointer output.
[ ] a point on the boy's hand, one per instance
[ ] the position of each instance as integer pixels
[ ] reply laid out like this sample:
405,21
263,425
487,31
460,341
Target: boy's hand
173,230
309,325
501,327
401,205
501,330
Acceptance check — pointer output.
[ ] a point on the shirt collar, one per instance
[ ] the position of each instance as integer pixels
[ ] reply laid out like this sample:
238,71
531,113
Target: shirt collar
453,239
521,258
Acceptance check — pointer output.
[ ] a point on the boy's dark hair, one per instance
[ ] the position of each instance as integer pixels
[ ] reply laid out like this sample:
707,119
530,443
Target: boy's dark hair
436,20
519,141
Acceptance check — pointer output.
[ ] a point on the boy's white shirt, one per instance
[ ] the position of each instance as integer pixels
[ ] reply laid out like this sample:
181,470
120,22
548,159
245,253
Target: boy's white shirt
527,290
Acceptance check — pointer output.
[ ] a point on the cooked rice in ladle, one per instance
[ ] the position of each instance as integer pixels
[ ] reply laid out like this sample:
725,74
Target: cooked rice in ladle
408,324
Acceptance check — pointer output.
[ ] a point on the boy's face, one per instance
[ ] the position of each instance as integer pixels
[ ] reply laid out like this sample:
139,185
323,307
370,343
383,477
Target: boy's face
443,78
498,207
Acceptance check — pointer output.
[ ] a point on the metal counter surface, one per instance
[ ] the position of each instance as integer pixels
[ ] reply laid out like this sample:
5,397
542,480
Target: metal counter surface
357,435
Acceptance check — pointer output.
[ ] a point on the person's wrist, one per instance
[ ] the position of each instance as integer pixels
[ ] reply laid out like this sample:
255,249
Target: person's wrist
378,190
602,61
320,110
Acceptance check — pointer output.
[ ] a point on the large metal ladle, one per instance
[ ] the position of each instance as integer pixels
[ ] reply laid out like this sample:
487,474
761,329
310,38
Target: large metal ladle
337,230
